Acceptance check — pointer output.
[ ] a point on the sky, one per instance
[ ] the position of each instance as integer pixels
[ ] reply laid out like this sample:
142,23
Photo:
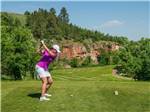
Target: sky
129,19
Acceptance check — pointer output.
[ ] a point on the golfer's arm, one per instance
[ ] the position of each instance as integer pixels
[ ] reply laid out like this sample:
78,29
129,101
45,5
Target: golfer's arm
39,50
46,48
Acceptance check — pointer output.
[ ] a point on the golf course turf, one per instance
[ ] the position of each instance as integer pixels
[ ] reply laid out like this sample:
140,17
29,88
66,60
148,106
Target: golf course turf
88,89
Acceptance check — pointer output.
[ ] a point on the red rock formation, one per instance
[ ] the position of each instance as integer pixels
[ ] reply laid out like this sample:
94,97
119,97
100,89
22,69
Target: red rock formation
78,50
72,51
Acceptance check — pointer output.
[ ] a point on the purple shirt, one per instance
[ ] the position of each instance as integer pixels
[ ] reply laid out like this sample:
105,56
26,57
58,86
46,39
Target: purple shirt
45,60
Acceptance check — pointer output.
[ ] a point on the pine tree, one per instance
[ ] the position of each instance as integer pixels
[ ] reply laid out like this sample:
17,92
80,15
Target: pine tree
63,16
53,11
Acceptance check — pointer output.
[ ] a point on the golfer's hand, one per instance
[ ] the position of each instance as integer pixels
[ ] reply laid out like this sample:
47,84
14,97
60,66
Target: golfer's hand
42,41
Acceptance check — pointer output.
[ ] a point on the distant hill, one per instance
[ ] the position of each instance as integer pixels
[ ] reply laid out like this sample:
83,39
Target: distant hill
21,17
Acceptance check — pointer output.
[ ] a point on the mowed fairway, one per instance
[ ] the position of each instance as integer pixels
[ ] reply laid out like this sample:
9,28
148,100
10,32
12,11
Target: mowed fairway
78,90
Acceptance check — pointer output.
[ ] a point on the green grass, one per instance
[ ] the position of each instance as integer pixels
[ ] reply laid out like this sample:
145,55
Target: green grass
21,17
92,89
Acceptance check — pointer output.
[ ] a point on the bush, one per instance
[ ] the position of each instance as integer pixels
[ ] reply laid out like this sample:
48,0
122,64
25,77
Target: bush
74,62
135,59
87,61
104,58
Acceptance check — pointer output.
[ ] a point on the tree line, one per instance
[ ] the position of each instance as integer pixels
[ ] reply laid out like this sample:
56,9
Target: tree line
47,24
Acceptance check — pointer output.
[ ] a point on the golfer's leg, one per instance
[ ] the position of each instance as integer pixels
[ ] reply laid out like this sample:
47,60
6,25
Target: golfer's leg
49,83
44,84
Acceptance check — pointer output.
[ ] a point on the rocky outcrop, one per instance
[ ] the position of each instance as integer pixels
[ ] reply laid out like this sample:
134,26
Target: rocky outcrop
79,50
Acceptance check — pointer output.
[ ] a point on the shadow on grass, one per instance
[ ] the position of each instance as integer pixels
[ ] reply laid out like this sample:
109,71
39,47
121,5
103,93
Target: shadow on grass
34,95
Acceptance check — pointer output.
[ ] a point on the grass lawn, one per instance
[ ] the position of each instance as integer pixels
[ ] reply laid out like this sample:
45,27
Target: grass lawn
78,90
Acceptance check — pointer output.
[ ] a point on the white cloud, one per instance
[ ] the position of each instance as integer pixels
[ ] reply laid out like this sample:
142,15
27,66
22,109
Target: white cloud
112,23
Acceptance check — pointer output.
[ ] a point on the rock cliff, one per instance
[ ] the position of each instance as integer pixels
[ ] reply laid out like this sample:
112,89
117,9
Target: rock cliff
81,50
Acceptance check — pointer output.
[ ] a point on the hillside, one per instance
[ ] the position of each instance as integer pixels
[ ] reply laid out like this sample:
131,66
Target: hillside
36,21
72,44
21,17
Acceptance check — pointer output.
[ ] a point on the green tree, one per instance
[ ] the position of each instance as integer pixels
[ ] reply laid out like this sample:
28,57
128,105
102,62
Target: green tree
74,62
104,57
27,13
63,16
6,19
37,22
52,26
87,61
135,59
53,11
17,52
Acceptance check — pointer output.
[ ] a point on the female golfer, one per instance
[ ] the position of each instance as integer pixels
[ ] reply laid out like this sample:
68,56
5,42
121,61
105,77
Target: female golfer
48,55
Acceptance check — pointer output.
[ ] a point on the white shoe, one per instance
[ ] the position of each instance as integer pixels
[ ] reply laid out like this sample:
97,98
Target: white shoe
43,98
47,95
